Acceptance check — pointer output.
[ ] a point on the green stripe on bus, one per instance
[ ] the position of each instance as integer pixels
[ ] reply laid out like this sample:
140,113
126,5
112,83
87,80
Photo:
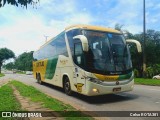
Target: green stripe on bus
51,67
127,76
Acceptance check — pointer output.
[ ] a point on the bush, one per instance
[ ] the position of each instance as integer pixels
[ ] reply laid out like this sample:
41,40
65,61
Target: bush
136,73
153,70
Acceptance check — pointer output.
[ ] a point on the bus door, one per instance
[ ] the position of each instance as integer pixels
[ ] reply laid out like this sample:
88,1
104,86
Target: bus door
79,60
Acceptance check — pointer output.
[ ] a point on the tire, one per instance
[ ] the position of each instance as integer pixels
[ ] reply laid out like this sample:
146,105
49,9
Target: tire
39,79
67,86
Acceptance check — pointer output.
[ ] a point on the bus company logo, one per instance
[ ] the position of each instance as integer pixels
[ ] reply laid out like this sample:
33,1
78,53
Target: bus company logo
6,114
117,82
39,64
63,61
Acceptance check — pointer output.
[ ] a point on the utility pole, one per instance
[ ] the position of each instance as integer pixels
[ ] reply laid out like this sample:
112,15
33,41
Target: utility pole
46,37
144,38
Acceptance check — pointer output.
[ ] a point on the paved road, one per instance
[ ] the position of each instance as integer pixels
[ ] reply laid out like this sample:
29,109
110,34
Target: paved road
142,98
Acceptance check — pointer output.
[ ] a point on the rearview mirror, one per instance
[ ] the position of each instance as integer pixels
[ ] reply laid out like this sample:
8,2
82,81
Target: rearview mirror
83,40
139,48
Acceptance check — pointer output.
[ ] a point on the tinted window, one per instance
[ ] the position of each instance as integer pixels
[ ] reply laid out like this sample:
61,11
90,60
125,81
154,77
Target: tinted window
56,47
61,45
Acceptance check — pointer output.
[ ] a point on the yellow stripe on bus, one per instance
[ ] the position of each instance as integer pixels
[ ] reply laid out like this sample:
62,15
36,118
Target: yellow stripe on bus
107,77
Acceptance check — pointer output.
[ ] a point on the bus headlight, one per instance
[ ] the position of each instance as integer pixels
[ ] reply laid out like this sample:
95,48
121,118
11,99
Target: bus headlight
95,90
95,80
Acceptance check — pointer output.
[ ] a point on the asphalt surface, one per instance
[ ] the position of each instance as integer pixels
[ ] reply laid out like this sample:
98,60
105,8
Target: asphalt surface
142,98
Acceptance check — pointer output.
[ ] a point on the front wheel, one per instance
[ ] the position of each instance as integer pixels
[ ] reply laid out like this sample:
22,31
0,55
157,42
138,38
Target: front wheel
67,86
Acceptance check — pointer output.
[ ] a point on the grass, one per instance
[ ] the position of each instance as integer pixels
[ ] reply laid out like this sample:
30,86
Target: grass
1,75
144,81
49,102
20,72
8,101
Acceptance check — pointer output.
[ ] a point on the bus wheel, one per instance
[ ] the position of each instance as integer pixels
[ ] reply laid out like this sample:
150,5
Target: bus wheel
67,86
39,79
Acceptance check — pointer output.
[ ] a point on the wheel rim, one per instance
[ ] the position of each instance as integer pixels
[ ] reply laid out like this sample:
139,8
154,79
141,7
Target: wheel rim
39,80
67,87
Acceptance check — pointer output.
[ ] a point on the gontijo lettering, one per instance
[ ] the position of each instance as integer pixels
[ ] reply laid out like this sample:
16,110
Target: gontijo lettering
38,64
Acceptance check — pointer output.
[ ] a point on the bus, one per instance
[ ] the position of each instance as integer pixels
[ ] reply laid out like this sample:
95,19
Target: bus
90,60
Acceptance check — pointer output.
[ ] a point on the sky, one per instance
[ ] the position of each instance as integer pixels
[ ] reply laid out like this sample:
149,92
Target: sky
24,30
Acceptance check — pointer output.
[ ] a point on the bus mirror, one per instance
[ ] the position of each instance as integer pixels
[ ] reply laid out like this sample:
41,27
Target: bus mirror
83,40
139,48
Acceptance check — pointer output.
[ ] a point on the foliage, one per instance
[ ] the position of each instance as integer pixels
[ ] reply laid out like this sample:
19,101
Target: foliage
24,61
119,27
1,75
152,51
153,70
9,66
143,81
18,2
136,73
5,54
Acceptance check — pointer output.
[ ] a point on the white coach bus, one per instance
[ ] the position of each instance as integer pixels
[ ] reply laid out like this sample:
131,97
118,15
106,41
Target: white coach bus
90,60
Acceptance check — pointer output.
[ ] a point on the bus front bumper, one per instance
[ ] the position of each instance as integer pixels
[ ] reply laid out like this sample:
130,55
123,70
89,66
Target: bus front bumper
93,89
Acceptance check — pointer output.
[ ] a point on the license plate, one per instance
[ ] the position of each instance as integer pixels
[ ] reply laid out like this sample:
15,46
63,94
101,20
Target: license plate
116,89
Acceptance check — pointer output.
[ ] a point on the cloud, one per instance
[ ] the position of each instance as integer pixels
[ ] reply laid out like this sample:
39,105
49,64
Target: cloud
21,36
55,7
24,30
134,28
127,13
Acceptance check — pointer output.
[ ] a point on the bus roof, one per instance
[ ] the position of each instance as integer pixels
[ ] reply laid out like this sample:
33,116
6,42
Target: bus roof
91,27
88,27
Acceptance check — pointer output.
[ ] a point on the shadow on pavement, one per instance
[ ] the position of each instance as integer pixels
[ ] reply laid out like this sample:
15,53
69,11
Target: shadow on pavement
101,99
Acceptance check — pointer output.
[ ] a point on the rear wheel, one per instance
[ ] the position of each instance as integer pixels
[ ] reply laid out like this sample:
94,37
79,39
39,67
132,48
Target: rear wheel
39,79
67,86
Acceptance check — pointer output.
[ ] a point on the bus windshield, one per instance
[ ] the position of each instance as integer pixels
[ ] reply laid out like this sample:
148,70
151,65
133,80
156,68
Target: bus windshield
108,53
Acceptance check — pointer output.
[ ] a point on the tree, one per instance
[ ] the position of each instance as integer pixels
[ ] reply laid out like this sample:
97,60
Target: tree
9,66
18,2
152,52
152,49
126,33
24,61
119,27
5,54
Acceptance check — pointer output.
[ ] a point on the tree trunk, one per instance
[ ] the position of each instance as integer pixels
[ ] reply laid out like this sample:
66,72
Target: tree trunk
0,67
